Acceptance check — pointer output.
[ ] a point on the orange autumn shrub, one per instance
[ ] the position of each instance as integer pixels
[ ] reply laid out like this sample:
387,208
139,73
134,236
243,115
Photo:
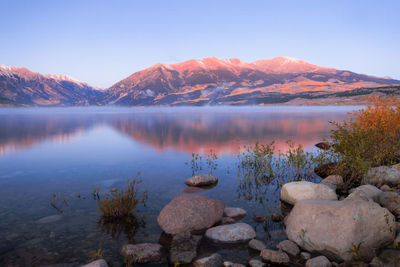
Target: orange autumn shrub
369,137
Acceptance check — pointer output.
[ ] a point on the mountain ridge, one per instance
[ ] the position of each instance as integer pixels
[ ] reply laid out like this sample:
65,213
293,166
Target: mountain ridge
208,81
219,81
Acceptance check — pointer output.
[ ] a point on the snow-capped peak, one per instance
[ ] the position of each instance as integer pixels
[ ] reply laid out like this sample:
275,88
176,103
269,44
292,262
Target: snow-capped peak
63,77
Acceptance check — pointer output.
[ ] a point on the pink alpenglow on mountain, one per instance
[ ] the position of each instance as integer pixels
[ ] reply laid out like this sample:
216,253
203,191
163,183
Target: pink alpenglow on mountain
208,81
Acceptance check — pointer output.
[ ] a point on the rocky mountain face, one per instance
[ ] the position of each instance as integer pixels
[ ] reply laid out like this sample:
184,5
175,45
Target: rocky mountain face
20,86
209,81
231,81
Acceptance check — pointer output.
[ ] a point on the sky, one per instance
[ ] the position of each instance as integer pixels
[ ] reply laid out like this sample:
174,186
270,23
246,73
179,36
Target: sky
102,42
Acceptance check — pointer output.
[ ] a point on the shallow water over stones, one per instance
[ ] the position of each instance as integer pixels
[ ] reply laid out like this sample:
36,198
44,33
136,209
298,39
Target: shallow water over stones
70,152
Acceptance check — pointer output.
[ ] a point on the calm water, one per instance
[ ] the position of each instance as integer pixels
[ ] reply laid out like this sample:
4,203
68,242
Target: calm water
72,151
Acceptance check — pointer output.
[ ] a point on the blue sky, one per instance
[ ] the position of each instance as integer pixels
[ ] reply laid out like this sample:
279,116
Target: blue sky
102,42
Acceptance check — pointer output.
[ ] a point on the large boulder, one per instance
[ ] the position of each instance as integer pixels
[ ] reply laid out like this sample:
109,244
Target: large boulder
202,180
190,213
366,192
184,247
382,175
295,191
144,252
332,227
231,233
391,201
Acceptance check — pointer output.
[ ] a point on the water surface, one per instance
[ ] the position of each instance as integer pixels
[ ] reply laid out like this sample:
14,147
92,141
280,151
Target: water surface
71,151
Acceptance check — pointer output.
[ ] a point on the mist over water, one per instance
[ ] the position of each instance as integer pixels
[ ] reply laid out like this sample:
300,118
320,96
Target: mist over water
71,151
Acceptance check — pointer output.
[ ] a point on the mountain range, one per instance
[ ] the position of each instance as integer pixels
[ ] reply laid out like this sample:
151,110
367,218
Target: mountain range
209,81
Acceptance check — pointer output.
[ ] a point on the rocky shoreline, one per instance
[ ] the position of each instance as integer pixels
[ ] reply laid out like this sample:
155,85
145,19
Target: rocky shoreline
323,228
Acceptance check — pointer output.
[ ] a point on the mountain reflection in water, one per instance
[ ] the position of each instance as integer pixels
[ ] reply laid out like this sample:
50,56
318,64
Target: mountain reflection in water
188,129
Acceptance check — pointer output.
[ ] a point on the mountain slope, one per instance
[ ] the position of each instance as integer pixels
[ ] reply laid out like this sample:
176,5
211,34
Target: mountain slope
232,81
20,86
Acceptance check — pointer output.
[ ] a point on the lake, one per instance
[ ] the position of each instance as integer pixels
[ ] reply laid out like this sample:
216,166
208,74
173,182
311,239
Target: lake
60,155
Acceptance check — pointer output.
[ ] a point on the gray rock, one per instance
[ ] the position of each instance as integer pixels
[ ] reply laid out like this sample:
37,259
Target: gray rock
366,254
336,180
235,213
389,257
257,245
332,227
275,257
320,261
376,262
190,213
144,252
382,175
385,187
231,233
295,191
396,166
391,201
256,263
366,192
305,255
184,247
202,180
215,260
49,219
289,247
97,263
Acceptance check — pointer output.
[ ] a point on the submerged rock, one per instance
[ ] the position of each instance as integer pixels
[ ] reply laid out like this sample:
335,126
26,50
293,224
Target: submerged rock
49,219
190,213
275,257
97,263
202,180
184,247
295,191
192,190
276,217
231,233
382,175
257,245
332,227
214,260
235,213
144,252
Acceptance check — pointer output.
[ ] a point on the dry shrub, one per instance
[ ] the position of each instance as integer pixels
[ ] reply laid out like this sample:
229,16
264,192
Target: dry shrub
370,137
